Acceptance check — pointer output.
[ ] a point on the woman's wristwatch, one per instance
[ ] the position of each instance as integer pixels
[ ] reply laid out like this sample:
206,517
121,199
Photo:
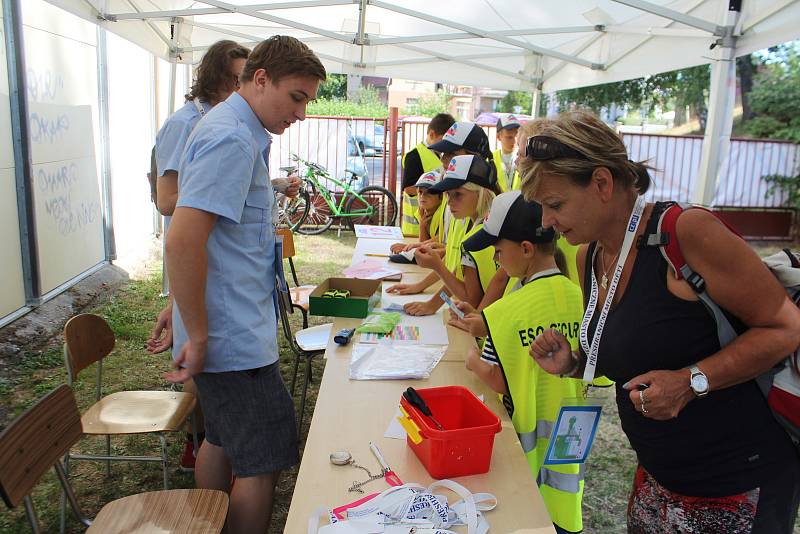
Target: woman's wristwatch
698,381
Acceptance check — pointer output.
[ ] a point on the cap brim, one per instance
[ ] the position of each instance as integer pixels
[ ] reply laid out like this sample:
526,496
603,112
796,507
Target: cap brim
479,241
444,146
446,185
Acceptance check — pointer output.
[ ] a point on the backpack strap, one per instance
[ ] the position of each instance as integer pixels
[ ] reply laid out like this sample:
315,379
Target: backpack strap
666,239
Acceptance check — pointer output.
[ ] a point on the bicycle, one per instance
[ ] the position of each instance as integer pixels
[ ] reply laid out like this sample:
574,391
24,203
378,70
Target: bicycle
292,211
373,205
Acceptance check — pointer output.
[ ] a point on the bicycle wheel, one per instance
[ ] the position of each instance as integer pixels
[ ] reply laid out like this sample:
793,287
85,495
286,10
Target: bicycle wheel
293,211
382,202
319,217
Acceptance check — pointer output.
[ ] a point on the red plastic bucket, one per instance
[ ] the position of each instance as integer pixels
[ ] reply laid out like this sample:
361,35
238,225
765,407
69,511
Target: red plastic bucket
464,447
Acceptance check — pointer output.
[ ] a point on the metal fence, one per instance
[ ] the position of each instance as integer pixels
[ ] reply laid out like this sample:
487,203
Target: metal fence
361,144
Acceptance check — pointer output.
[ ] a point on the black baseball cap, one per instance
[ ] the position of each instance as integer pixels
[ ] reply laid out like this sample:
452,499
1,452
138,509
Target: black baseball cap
463,169
466,135
512,218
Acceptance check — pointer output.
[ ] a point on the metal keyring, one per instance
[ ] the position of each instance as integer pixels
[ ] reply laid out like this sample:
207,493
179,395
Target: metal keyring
341,458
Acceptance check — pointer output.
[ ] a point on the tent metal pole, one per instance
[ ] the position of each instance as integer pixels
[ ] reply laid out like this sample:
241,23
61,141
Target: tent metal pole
677,16
173,73
168,14
719,123
105,145
18,99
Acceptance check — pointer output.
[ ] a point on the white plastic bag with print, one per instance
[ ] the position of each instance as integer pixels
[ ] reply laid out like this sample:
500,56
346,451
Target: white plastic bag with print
411,508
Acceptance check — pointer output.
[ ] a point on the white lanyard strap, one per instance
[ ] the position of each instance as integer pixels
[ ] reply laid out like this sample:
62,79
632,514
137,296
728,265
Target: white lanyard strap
591,351
199,106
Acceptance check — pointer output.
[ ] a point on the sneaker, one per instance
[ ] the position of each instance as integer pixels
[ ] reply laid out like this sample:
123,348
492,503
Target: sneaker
188,458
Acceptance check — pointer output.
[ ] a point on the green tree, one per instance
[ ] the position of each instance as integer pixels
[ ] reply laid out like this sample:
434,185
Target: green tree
430,105
775,98
334,87
513,99
367,103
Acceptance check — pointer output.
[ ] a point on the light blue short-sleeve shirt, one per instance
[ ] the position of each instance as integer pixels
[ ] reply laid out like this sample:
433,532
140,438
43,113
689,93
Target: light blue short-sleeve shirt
223,172
171,139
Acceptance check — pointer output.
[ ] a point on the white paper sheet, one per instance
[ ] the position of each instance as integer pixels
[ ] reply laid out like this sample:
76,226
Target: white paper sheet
378,232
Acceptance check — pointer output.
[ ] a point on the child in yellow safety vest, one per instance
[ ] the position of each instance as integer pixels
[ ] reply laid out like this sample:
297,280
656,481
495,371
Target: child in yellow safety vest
433,216
542,298
505,157
461,139
470,185
417,161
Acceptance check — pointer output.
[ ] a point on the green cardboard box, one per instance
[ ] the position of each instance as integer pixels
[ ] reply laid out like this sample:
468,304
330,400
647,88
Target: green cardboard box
364,296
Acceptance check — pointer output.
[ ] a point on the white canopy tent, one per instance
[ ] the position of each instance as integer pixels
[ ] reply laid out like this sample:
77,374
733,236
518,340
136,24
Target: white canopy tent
538,45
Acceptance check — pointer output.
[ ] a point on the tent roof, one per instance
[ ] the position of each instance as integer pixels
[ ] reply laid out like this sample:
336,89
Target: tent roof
502,44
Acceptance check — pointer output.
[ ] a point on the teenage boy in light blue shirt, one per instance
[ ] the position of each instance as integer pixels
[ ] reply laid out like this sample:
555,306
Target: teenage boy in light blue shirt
220,255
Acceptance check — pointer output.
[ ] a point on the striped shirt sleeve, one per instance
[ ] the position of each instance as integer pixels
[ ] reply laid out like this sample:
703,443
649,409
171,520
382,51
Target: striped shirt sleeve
489,355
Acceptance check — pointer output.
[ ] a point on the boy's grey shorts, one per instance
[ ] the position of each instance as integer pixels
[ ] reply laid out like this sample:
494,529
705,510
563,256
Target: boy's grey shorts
250,414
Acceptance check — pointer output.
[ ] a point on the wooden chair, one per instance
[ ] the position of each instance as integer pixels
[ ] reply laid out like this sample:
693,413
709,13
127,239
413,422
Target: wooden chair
305,344
89,339
298,293
37,439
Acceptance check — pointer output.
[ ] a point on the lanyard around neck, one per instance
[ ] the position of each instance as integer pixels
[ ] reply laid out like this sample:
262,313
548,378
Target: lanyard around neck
592,350
199,106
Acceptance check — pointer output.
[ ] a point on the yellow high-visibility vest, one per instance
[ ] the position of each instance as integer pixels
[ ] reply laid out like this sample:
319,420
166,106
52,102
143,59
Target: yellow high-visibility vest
516,183
409,224
484,261
437,228
513,322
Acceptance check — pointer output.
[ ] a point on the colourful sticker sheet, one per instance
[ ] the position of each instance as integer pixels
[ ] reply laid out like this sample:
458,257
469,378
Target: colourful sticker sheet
400,334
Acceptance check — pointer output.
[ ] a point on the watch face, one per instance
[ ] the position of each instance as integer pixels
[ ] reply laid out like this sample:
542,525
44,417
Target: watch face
699,383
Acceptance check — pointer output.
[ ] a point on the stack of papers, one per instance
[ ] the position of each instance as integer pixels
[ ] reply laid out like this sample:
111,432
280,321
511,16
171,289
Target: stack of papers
371,270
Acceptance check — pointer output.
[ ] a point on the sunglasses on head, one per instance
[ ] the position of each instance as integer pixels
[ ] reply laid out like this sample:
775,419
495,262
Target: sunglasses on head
543,148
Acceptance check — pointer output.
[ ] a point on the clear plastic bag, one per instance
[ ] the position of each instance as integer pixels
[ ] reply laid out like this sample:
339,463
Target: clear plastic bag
383,361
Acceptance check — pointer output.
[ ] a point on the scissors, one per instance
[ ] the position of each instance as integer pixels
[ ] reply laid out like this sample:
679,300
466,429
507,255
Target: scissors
389,476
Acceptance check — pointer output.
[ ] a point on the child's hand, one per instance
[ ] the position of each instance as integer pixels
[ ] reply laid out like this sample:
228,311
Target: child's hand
465,307
397,248
403,289
427,257
422,308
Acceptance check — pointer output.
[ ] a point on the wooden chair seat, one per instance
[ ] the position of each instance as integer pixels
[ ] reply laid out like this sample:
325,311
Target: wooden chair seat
134,412
300,295
181,511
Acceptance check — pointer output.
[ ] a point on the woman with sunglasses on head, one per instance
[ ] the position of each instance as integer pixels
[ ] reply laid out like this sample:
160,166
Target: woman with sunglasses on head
712,458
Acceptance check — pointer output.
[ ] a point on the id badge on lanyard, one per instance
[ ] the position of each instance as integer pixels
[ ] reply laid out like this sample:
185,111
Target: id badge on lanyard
576,425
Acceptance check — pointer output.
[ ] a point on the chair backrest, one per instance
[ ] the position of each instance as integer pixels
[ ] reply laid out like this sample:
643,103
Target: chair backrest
87,338
288,242
35,441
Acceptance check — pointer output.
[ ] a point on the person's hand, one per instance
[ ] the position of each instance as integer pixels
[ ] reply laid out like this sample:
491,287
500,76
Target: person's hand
662,393
427,257
412,246
472,359
465,307
552,352
472,323
161,336
404,289
293,186
397,248
427,307
190,361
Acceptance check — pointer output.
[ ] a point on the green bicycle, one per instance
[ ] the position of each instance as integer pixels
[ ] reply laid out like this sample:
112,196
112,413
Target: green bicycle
373,205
